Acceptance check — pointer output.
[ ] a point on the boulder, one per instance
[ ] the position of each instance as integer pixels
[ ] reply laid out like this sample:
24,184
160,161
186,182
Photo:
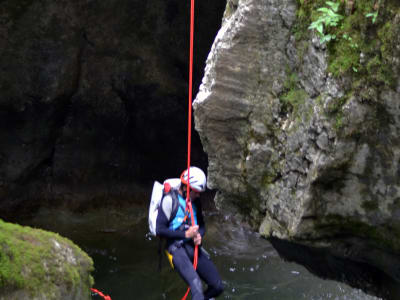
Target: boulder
305,155
41,265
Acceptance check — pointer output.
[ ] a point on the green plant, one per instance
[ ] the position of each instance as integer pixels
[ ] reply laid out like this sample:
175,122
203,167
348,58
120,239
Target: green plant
329,17
294,96
373,15
350,39
361,49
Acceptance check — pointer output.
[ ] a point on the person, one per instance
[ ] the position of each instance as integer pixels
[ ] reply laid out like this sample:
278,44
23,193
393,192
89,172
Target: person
182,236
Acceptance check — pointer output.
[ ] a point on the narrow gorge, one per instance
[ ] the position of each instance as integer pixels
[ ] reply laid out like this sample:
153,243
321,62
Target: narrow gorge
300,138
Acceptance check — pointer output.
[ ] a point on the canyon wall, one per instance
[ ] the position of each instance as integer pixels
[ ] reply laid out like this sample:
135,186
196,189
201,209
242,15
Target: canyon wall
93,98
307,151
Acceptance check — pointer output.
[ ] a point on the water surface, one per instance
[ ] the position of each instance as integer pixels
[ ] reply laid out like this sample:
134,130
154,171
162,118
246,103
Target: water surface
126,259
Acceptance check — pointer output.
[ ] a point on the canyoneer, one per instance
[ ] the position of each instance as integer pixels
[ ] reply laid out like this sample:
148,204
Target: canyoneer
174,223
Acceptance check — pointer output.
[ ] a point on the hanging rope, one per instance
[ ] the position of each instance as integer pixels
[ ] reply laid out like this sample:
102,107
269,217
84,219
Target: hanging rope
106,297
188,202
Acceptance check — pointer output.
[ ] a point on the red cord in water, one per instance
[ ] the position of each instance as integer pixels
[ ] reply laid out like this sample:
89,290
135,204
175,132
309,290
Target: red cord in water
188,202
106,297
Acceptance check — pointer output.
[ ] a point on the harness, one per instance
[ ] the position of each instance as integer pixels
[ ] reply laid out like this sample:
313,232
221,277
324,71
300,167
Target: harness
181,218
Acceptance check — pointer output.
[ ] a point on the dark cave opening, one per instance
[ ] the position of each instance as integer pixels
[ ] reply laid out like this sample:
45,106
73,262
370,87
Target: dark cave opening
111,84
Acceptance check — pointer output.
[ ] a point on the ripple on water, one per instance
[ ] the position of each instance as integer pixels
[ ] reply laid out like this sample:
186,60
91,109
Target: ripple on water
252,269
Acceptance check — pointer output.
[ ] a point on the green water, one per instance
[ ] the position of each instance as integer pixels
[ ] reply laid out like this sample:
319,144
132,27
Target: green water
126,259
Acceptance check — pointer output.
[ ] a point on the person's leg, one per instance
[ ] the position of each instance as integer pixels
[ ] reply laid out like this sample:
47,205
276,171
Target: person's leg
207,271
184,266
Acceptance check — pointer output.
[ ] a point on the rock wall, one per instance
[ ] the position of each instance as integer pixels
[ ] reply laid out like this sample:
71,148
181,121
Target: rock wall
93,97
307,156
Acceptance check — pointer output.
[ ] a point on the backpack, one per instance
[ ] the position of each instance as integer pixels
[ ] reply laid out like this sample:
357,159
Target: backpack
157,194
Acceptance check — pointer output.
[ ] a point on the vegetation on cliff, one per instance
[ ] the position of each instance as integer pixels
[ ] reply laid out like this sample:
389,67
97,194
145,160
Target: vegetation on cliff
361,40
366,37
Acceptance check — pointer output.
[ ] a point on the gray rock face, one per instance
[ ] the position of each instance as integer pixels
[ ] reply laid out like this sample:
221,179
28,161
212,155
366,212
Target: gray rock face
237,104
320,173
237,108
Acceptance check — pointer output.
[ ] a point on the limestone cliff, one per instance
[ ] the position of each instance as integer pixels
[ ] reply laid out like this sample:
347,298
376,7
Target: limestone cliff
305,145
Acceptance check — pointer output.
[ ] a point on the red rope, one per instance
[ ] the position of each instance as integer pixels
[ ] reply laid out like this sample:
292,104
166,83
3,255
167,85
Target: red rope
106,297
188,202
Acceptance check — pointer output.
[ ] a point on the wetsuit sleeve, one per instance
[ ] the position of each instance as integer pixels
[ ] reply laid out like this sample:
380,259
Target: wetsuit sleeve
200,219
162,224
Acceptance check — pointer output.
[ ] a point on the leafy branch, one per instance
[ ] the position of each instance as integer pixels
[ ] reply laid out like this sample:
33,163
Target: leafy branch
374,15
329,17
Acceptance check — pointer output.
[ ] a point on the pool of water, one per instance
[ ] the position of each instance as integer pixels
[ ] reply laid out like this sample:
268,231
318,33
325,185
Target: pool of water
127,262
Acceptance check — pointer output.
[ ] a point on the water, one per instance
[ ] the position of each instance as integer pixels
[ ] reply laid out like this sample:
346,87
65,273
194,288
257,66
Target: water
126,259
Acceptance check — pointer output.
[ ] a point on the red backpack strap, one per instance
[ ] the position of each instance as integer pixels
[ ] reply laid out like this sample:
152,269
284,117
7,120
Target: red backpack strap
167,188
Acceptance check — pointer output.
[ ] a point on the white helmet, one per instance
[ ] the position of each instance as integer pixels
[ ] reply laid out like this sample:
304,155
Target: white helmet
197,179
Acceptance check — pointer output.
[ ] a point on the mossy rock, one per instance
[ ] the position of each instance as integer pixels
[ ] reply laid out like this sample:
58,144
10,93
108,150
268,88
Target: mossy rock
362,48
36,264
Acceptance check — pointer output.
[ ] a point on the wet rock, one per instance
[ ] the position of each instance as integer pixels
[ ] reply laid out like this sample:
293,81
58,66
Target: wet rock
321,170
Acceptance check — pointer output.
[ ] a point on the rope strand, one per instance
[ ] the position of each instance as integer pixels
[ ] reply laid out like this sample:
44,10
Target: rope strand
105,297
188,202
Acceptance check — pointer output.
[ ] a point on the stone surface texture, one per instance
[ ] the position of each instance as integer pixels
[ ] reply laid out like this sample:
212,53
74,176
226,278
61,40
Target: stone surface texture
94,97
320,175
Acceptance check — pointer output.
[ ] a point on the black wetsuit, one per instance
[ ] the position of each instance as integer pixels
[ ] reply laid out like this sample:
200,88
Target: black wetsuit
183,251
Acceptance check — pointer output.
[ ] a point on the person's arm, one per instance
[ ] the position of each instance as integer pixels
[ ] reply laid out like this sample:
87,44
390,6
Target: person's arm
162,225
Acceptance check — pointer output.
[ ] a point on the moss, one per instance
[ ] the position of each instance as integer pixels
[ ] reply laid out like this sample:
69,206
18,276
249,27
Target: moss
293,96
249,205
362,49
30,261
363,52
339,121
336,104
306,13
268,178
342,59
388,33
334,110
